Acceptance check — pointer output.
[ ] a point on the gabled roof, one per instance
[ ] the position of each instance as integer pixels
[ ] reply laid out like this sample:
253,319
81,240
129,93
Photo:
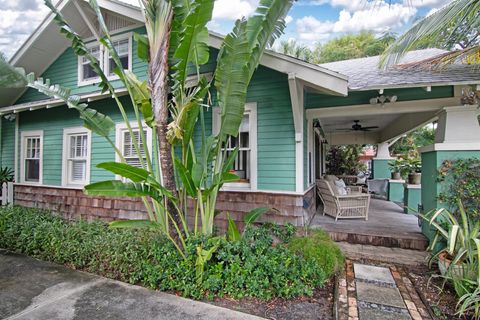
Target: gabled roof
46,44
365,74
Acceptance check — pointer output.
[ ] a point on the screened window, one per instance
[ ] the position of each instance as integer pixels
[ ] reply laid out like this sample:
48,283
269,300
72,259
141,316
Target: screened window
241,165
32,159
123,49
77,158
129,152
87,72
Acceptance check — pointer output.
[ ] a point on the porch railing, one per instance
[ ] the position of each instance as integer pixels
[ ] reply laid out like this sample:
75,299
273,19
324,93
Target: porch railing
6,193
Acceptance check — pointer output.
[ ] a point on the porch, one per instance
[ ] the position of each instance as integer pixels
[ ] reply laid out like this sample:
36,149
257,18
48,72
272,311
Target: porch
387,226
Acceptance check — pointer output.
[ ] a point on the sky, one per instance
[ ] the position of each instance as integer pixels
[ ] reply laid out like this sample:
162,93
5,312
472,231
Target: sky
309,22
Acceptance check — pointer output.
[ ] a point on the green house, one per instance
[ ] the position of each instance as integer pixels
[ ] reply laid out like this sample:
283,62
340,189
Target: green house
294,111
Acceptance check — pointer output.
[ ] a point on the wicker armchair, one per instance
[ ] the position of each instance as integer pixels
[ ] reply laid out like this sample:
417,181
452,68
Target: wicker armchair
353,205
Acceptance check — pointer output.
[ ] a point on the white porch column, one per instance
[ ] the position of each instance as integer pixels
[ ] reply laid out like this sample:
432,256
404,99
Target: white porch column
458,125
380,162
296,98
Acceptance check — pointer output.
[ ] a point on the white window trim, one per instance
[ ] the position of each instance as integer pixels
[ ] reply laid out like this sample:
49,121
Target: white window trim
122,127
23,136
66,133
103,60
251,109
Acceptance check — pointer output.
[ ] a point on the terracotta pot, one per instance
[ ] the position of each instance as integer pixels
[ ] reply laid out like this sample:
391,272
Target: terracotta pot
457,270
414,178
396,176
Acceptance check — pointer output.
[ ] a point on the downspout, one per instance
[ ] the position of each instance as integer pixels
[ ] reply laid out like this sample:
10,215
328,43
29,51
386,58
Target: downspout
15,165
1,122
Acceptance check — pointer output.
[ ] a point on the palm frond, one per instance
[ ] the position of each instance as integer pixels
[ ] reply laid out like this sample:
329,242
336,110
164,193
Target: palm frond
451,16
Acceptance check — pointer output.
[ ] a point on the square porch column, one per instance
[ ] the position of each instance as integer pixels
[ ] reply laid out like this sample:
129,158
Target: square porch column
380,169
457,137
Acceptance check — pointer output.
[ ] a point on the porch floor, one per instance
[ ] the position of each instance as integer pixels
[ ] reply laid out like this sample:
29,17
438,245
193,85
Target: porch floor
387,226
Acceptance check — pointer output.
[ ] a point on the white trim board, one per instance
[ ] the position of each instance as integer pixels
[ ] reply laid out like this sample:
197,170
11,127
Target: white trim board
23,136
67,132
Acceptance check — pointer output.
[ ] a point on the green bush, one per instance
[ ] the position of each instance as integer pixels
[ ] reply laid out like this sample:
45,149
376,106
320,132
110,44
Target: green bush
252,267
319,247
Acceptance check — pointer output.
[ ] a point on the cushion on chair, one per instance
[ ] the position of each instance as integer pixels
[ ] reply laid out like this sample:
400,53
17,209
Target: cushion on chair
340,187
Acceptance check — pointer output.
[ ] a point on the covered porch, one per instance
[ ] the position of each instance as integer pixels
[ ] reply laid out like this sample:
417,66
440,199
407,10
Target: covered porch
387,226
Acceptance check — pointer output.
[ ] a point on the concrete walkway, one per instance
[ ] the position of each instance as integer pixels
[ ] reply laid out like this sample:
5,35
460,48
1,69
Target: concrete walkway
33,289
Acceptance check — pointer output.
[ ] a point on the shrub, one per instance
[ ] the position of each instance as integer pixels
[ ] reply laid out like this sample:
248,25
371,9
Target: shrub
319,247
249,267
462,182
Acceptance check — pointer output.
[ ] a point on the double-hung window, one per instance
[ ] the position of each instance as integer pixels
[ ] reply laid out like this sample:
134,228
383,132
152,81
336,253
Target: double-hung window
245,164
31,156
76,156
125,142
123,46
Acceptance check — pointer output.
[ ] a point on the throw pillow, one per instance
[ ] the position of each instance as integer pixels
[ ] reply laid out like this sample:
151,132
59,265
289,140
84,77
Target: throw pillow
341,187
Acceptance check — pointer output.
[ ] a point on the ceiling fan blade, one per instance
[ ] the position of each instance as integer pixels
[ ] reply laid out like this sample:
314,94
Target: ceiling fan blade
371,127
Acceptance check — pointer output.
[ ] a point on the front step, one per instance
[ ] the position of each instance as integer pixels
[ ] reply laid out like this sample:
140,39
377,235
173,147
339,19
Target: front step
412,242
384,254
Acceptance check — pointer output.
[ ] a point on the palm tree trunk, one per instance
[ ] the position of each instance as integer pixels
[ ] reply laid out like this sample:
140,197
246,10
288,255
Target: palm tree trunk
158,75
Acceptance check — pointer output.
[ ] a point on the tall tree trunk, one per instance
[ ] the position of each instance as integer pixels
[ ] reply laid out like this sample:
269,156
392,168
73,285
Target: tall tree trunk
158,76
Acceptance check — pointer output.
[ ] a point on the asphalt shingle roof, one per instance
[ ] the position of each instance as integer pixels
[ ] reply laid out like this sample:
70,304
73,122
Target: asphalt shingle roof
365,74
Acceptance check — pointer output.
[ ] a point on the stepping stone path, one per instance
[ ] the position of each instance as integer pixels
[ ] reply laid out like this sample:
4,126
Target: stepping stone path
369,292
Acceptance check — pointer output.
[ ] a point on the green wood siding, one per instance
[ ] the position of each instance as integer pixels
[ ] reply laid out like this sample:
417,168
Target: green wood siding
64,71
7,151
314,100
53,121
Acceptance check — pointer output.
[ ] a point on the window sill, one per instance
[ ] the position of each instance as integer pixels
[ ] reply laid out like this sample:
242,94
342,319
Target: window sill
237,186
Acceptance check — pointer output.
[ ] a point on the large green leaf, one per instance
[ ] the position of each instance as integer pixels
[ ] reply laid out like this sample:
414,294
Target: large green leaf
135,174
254,214
193,43
186,178
134,224
232,78
93,120
232,233
142,46
116,188
141,96
11,77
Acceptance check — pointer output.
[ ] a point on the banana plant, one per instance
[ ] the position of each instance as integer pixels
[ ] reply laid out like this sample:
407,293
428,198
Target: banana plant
183,170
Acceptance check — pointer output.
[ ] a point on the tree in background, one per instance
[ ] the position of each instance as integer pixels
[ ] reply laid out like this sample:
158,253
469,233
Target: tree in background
3,56
455,25
421,137
352,46
293,49
344,160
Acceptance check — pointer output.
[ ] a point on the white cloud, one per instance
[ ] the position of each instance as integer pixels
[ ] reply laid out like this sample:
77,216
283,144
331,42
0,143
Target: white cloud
233,9
288,19
378,17
435,4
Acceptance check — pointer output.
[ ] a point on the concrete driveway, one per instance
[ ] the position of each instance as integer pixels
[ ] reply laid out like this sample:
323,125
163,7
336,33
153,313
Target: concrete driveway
33,289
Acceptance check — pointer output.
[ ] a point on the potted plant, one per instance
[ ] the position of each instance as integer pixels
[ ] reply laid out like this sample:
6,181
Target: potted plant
414,166
396,167
457,242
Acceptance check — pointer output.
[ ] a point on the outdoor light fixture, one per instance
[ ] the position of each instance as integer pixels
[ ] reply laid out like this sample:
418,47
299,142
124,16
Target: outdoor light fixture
10,117
382,100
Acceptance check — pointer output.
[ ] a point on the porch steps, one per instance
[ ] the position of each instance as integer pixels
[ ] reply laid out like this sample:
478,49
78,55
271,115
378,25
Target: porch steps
411,242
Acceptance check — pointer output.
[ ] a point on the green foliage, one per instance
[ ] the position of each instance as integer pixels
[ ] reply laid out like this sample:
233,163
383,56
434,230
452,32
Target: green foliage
6,175
352,46
233,233
459,239
344,159
319,247
418,138
461,181
251,267
293,49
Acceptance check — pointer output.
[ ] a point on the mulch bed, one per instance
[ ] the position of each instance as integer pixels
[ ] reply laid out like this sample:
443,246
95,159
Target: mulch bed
439,296
319,306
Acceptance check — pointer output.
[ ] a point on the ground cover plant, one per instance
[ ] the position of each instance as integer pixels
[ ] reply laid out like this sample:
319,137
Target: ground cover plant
260,264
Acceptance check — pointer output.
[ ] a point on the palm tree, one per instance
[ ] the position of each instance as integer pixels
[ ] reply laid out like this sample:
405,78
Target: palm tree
456,24
293,49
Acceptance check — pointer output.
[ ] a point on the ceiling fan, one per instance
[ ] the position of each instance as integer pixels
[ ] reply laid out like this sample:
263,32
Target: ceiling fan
358,127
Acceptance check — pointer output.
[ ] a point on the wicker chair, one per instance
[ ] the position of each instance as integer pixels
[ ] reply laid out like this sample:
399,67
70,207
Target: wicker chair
353,205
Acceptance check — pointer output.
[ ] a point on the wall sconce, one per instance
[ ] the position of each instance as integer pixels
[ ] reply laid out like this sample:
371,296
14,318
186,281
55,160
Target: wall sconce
383,99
